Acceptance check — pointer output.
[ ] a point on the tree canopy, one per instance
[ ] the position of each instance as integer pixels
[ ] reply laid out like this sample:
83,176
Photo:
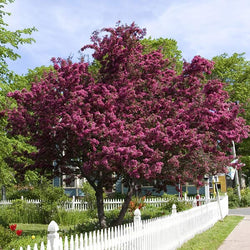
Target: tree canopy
136,119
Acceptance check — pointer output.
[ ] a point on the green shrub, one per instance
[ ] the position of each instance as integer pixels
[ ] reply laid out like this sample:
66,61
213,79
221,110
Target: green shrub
6,236
89,195
51,197
25,239
73,217
3,220
20,212
180,205
26,193
112,215
91,224
23,212
152,212
233,199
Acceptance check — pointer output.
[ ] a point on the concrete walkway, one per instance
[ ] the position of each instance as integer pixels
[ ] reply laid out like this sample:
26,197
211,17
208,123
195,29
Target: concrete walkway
239,238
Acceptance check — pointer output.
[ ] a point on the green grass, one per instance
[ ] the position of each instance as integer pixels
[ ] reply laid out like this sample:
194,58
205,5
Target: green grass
29,228
213,237
40,232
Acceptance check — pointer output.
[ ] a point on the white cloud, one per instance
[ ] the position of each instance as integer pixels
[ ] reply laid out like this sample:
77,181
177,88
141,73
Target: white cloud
206,27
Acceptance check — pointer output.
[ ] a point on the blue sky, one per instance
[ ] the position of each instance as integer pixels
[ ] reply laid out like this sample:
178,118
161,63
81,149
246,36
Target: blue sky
200,27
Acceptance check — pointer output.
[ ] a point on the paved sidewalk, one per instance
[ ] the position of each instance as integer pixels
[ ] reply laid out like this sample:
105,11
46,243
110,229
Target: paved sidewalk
239,238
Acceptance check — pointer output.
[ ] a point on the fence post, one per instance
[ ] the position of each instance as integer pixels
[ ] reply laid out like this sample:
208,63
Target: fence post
194,202
137,218
53,236
198,200
73,202
174,211
207,193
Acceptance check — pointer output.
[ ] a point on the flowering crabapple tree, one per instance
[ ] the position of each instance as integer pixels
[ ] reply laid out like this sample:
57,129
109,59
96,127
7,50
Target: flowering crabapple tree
205,126
129,116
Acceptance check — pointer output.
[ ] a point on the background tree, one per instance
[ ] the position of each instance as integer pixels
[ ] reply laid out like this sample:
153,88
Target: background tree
235,71
14,148
168,48
135,119
9,42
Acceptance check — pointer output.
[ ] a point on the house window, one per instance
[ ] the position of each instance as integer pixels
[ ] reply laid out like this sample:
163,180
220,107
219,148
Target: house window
68,182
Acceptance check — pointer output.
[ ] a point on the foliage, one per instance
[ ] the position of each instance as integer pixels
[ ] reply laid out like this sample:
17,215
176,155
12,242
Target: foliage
9,43
44,212
3,221
138,119
233,199
246,159
23,212
6,236
153,212
235,71
26,238
168,48
146,213
91,224
180,205
213,237
136,202
73,217
89,195
50,197
245,197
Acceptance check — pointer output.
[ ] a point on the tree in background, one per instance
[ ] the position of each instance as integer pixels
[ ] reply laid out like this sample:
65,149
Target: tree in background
168,48
235,71
9,42
131,117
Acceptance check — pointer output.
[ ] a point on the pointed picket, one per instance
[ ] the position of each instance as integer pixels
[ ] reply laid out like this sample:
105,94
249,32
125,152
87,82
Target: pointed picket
76,242
60,245
71,243
66,243
42,246
86,241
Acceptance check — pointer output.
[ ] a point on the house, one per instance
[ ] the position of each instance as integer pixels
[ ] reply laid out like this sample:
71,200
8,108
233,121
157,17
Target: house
74,188
145,190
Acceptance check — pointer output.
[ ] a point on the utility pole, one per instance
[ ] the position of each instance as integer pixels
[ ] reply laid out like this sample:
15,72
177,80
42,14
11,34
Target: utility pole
236,173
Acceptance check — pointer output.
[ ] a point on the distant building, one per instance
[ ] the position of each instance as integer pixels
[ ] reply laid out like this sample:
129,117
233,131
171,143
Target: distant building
74,188
145,190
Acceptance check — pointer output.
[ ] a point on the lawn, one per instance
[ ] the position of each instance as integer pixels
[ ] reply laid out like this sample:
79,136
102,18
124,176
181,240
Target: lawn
213,237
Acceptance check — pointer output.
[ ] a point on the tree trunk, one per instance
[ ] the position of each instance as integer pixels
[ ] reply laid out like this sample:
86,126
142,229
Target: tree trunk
125,205
100,206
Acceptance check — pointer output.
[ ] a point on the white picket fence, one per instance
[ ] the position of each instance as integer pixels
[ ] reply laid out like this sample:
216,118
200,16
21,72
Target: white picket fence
164,233
109,204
